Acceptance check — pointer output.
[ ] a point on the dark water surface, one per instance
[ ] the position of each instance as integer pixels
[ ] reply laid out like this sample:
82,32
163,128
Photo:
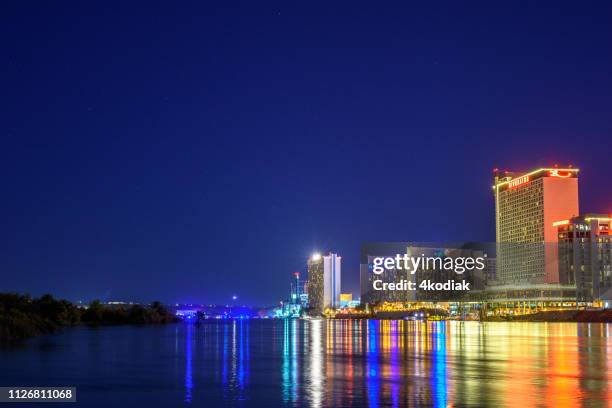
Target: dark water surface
322,363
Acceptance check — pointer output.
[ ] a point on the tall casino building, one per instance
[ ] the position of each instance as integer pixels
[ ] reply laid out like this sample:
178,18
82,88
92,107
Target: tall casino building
526,206
331,280
324,273
316,284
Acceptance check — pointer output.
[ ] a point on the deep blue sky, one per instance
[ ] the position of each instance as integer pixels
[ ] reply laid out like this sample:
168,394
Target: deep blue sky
187,152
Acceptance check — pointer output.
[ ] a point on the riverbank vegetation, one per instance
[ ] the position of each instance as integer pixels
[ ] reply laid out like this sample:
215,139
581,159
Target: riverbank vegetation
22,316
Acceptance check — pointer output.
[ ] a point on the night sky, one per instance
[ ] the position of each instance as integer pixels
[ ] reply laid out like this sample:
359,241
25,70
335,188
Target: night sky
189,152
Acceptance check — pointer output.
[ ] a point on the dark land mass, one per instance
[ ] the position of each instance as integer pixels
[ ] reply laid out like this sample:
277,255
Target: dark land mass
22,316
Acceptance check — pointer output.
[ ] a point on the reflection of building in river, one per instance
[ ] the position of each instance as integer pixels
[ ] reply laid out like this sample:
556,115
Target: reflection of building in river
188,363
290,368
235,371
394,363
315,362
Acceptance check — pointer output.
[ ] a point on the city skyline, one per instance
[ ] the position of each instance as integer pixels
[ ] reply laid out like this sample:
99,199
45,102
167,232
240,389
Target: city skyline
519,178
287,204
145,163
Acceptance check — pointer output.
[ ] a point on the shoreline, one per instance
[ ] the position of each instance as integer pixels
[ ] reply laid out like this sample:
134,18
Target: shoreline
22,316
561,316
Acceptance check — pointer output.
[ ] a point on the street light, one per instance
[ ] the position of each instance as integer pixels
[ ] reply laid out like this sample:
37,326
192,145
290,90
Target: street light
316,256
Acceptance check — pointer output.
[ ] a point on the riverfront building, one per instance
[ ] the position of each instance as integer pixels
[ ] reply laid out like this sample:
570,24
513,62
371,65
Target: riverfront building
299,290
526,205
432,271
346,299
324,274
315,284
585,256
332,269
392,275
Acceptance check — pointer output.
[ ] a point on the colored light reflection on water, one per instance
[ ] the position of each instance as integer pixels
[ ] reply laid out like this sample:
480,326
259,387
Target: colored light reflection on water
188,362
394,363
235,357
438,358
324,363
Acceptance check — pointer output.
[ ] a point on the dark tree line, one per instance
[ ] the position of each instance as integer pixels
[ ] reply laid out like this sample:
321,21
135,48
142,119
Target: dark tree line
22,316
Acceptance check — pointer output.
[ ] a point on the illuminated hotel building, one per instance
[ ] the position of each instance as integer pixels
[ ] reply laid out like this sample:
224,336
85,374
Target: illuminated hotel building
526,206
585,256
315,283
324,274
332,264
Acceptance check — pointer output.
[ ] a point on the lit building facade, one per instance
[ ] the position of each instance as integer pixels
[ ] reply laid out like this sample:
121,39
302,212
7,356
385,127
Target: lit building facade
368,277
346,299
436,273
585,256
433,271
365,282
491,269
526,206
332,271
299,288
315,284
324,279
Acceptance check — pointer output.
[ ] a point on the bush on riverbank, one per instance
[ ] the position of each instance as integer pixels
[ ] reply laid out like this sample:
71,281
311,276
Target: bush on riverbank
22,316
97,313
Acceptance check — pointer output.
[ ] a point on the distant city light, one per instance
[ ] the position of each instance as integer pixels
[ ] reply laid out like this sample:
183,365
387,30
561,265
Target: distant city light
316,256
234,297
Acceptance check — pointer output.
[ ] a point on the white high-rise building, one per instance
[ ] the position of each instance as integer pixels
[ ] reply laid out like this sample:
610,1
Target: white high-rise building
331,280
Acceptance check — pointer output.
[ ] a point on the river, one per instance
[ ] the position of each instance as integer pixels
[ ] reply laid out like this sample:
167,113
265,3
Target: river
322,363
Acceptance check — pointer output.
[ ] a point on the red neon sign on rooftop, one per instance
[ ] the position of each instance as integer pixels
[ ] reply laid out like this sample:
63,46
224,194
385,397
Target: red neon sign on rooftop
561,174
